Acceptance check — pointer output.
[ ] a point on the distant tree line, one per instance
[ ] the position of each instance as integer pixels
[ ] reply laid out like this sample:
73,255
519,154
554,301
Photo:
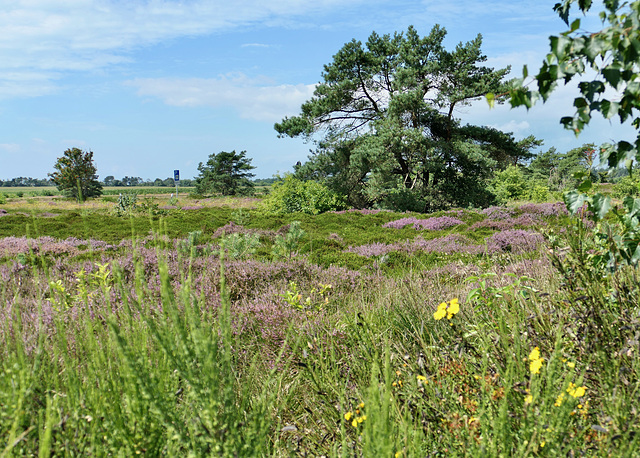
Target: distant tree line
25,181
112,181
137,181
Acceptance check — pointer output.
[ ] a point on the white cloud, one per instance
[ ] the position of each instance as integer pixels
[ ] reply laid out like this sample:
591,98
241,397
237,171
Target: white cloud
26,84
54,36
255,99
516,127
255,45
11,148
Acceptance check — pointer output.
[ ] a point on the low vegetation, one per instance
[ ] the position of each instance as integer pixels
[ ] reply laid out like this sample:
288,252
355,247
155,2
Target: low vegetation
231,331
296,327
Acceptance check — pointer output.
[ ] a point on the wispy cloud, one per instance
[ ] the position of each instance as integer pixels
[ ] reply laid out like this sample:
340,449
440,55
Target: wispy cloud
255,45
11,148
254,99
47,37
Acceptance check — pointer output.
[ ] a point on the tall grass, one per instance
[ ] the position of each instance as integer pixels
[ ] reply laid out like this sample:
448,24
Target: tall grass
137,350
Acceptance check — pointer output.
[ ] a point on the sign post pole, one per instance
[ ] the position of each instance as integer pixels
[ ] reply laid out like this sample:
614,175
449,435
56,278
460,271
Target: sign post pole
176,179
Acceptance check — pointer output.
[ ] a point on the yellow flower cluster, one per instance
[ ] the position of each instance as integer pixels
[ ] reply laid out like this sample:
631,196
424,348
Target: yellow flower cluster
535,361
447,309
528,399
574,391
356,418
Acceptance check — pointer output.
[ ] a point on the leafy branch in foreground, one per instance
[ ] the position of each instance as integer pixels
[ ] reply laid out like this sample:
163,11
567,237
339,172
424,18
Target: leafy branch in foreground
612,54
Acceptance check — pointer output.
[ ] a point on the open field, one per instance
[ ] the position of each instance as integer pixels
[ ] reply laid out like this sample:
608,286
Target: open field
35,191
212,328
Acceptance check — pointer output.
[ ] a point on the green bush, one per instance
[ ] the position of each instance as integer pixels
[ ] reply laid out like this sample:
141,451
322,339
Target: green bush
509,184
126,204
240,246
627,186
401,199
284,246
539,193
292,195
193,245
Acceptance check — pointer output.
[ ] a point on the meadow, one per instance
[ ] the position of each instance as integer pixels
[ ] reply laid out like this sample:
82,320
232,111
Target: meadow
209,327
49,191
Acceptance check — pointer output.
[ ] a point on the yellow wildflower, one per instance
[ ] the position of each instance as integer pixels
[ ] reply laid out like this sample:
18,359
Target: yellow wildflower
421,378
447,309
571,365
528,399
347,416
576,392
559,400
535,366
454,307
535,354
535,361
441,312
354,423
361,405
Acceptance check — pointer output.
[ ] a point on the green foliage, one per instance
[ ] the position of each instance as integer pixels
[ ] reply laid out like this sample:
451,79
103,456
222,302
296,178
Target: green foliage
627,186
126,204
540,362
385,113
540,193
76,176
225,173
557,170
192,245
316,300
291,195
285,246
612,54
509,184
173,201
240,246
87,285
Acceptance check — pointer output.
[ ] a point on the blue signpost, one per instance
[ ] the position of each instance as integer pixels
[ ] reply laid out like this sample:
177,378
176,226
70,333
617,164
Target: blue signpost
176,179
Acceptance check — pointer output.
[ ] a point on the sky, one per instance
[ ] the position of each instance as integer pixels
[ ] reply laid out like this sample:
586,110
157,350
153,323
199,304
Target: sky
151,86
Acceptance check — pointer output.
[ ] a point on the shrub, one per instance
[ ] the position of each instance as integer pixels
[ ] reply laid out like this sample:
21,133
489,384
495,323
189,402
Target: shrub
285,246
539,193
433,224
126,204
192,246
627,186
509,184
239,246
292,195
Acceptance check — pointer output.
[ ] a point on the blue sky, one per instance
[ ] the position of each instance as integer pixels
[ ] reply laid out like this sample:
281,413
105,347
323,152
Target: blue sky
156,85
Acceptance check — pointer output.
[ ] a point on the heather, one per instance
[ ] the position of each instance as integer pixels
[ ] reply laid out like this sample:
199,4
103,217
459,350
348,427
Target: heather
226,331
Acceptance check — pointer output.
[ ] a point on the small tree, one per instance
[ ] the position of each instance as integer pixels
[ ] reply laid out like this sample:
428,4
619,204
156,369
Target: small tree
76,176
225,173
